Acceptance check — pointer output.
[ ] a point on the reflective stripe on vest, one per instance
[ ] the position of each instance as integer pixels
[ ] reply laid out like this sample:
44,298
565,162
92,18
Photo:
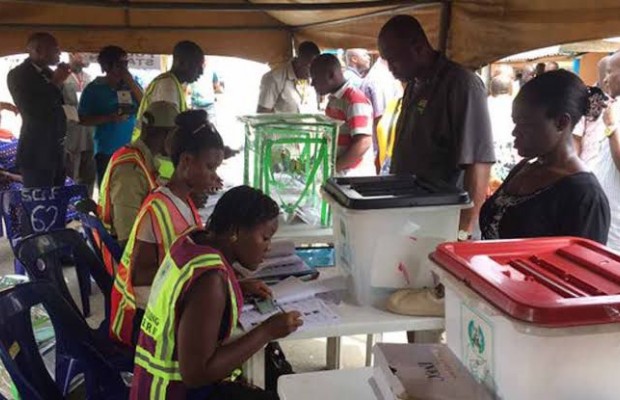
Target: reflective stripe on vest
168,224
146,99
123,155
160,319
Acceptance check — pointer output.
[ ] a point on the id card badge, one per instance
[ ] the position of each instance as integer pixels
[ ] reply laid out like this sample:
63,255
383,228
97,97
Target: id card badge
124,97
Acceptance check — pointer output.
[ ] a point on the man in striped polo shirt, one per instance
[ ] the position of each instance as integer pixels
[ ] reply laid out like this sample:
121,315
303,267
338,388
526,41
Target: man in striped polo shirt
352,107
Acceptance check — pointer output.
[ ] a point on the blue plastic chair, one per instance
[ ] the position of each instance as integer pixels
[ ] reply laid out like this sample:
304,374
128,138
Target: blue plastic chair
40,254
20,354
98,237
36,210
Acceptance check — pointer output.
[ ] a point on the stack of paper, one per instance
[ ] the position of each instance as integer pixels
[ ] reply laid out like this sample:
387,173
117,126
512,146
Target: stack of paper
280,262
293,294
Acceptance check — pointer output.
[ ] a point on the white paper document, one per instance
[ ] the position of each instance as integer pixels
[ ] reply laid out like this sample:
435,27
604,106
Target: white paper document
293,294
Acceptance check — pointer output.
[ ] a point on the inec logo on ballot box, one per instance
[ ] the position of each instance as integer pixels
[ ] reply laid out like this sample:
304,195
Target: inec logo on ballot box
477,344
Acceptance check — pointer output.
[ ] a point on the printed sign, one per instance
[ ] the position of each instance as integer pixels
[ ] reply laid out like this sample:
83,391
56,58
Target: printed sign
477,344
135,60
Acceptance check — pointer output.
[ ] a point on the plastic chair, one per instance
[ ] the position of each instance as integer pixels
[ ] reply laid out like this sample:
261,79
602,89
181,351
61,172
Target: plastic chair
36,210
106,247
20,354
41,255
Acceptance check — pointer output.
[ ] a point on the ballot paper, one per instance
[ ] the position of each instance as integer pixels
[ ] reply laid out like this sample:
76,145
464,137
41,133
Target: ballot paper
293,294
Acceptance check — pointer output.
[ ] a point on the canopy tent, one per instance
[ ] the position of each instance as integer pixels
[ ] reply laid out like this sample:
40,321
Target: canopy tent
473,32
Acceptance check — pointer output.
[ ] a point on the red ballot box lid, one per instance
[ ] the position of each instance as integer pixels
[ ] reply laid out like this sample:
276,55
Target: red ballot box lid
551,282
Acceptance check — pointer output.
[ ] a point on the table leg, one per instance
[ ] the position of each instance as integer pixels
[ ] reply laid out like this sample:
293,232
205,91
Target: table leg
254,369
333,353
370,343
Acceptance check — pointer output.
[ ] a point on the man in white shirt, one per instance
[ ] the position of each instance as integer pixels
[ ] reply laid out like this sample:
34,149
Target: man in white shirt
287,89
358,65
607,167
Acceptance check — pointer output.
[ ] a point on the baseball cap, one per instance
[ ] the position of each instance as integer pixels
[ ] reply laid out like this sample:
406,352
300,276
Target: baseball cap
160,114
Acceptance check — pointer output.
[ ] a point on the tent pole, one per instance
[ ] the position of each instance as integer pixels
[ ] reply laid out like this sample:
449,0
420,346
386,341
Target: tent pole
444,25
224,6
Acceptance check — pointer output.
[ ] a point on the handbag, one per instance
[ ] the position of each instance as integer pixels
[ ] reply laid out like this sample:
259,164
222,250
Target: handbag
276,365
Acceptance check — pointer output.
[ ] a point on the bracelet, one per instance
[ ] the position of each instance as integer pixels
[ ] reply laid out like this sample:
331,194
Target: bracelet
610,130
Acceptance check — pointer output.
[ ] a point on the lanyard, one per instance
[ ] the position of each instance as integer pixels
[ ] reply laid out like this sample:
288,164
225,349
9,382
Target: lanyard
79,80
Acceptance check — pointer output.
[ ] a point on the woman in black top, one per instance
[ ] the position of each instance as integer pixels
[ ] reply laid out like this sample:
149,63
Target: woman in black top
551,192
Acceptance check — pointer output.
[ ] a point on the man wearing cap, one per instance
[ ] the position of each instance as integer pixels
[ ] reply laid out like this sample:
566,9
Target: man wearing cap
132,173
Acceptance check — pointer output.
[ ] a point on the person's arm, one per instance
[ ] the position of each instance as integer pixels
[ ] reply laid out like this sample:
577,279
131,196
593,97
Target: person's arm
356,150
359,120
611,118
145,262
136,90
469,114
476,183
578,133
202,359
88,113
145,257
9,107
128,189
614,145
268,95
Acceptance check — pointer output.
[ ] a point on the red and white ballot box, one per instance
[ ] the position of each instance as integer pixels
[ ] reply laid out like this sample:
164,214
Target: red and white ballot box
535,318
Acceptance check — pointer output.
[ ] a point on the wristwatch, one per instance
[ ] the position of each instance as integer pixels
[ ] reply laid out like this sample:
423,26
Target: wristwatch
463,236
610,130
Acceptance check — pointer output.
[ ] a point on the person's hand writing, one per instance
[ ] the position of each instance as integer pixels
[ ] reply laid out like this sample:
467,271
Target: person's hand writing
255,287
61,73
283,324
9,107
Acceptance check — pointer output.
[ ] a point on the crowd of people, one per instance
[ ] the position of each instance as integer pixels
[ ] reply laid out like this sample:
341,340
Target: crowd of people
176,297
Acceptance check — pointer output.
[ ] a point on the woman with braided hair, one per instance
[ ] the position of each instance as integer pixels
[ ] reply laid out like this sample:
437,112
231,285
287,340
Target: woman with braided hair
183,350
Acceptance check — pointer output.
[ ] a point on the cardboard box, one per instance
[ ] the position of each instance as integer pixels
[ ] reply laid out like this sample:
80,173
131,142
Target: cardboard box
423,372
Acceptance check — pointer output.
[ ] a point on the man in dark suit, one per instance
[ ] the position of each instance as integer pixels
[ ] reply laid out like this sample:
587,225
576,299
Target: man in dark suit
36,91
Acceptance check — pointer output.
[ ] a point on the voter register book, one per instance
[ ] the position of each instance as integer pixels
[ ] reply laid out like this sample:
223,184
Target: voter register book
293,294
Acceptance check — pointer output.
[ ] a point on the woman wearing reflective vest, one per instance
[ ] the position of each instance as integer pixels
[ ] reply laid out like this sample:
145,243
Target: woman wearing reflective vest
132,175
197,151
195,301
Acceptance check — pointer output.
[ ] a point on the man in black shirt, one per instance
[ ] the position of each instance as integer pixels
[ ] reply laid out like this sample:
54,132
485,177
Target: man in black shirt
444,130
36,91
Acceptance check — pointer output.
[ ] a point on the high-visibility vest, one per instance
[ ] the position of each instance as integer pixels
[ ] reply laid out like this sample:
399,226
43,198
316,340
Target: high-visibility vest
386,130
146,99
157,374
168,224
124,155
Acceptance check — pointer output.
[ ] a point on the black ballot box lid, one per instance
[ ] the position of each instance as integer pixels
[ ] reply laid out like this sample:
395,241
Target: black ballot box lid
392,191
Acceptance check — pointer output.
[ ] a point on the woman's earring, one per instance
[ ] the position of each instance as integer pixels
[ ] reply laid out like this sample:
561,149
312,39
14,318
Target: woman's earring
233,238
